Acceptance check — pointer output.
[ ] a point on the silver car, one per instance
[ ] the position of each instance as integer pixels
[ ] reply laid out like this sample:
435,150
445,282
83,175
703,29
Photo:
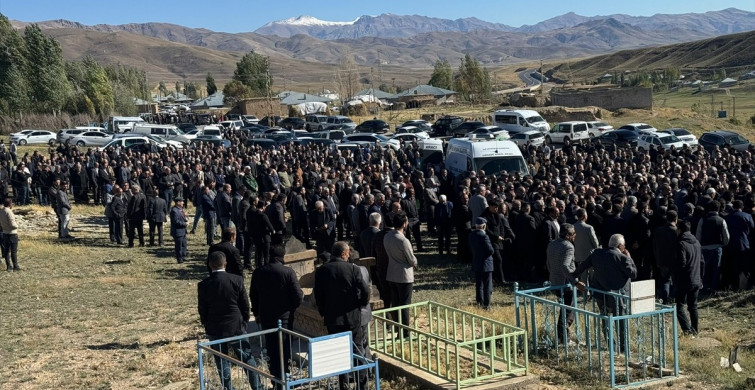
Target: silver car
91,138
34,137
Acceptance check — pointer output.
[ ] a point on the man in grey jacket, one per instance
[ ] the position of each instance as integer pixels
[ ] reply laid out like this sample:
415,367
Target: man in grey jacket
63,209
401,264
560,262
586,240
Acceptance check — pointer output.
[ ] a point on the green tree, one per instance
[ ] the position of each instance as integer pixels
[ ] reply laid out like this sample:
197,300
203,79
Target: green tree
191,90
253,71
234,91
99,88
443,75
211,87
48,85
162,88
178,88
14,88
473,81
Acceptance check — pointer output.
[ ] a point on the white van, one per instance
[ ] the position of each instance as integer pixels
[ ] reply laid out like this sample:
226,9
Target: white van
491,156
168,132
120,124
431,152
516,121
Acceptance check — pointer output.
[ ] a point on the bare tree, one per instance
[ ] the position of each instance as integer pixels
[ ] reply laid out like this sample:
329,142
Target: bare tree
347,77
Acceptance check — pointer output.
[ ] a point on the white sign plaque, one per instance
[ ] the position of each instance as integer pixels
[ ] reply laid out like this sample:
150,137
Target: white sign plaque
330,355
642,296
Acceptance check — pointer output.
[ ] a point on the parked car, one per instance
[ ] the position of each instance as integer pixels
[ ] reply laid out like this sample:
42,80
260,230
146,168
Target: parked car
446,125
722,138
23,132
373,139
414,130
463,128
65,134
91,138
338,120
620,138
34,137
526,138
212,130
568,132
345,127
487,131
186,127
232,125
658,140
250,120
638,127
683,134
214,141
421,124
313,122
595,128
373,126
335,135
126,142
263,143
406,137
292,122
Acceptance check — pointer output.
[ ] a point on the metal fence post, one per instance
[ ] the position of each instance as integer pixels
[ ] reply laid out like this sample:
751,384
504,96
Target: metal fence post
201,367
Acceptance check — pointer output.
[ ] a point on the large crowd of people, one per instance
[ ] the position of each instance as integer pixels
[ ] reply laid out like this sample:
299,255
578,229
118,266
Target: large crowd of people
329,194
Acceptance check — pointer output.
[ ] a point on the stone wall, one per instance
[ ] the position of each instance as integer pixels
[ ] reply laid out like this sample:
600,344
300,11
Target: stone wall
610,99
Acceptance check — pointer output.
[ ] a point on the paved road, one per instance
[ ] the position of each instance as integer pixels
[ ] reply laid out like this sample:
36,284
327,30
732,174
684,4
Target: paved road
526,77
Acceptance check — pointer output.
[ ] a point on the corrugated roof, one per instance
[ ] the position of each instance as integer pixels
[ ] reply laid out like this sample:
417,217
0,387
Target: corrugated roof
214,100
426,90
376,93
290,98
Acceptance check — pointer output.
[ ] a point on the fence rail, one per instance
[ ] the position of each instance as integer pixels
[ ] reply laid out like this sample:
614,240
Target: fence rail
245,362
459,346
612,344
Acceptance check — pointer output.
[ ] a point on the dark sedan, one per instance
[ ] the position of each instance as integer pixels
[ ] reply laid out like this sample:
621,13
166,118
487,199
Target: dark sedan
621,138
373,126
722,138
467,127
292,123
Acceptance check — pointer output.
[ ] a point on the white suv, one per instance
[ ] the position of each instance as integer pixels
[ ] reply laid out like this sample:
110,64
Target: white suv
658,141
568,132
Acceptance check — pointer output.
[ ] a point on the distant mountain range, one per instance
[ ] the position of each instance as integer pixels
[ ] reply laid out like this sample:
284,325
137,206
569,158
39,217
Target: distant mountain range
712,23
307,50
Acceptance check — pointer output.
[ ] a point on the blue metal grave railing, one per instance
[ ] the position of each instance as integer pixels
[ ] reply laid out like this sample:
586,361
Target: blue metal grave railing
461,347
647,343
299,376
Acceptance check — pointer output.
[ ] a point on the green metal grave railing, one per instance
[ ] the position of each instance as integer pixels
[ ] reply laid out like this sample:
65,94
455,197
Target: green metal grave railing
459,346
607,344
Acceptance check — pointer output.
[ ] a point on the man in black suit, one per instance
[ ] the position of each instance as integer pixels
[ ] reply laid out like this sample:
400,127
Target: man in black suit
234,262
340,292
322,225
275,294
260,230
156,213
137,212
118,212
224,312
208,214
178,225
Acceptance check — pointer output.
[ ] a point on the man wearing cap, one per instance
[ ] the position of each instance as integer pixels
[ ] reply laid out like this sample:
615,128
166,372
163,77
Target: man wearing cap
482,262
156,210
275,294
178,229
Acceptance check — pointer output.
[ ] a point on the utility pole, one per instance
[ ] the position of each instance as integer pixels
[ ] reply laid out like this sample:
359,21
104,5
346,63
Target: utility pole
542,76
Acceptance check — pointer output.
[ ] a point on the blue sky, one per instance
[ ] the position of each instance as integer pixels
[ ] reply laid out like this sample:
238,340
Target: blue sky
248,15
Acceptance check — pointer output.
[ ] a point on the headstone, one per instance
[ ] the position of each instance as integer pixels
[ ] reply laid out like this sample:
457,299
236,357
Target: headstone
642,296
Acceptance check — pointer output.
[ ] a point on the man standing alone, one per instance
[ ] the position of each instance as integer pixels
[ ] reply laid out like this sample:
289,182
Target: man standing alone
560,255
10,235
178,229
137,211
63,208
482,263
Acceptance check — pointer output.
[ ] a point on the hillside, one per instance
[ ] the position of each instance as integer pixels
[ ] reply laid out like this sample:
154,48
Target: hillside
728,51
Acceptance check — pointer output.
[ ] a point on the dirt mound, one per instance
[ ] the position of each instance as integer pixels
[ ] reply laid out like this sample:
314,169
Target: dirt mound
555,114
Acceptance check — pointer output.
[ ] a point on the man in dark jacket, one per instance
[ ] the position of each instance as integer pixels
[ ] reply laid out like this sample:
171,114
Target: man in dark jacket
740,226
368,234
208,214
340,292
157,211
118,212
409,206
224,207
526,239
713,234
498,230
178,224
234,262
686,275
224,311
443,223
462,220
275,294
276,214
322,225
259,230
137,212
665,254
482,263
